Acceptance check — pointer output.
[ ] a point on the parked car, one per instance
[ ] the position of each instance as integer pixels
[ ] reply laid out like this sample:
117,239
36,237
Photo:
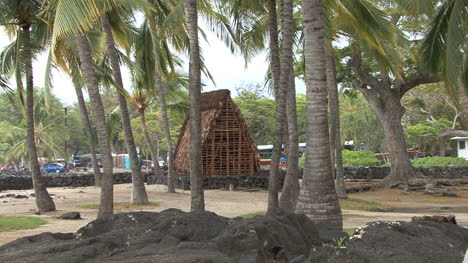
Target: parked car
54,168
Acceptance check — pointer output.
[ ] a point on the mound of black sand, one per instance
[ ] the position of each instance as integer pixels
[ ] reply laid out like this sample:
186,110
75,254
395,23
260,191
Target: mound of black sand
175,236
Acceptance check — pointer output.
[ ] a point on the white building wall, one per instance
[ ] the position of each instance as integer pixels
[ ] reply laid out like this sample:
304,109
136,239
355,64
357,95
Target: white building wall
463,153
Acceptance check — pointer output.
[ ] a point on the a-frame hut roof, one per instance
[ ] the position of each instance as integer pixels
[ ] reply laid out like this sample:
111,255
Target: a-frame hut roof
212,105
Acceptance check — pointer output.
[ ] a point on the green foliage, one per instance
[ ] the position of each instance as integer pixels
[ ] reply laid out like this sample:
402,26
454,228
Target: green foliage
258,112
359,123
359,158
11,223
439,161
50,130
302,161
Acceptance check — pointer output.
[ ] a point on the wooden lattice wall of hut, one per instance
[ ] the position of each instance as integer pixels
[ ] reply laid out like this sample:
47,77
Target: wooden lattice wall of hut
227,147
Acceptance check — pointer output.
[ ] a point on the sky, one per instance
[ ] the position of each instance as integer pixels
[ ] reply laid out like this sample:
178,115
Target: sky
227,70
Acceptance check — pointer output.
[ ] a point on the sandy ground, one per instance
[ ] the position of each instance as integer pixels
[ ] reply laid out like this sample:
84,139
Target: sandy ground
401,206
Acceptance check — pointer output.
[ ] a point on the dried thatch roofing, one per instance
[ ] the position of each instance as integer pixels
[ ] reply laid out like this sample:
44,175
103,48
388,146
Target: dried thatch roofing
212,105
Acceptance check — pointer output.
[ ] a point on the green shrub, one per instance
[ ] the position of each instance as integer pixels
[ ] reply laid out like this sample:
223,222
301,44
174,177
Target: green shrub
353,158
302,160
439,161
360,158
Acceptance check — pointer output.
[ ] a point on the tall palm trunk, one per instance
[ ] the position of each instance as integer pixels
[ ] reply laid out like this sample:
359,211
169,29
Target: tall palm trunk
43,200
150,145
89,134
196,169
139,195
335,136
167,131
280,97
290,191
286,92
317,198
106,208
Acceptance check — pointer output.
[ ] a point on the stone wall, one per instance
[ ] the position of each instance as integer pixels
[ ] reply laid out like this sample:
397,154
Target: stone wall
380,172
18,182
259,180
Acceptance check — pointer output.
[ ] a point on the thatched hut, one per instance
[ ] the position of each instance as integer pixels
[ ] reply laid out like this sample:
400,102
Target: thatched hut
227,147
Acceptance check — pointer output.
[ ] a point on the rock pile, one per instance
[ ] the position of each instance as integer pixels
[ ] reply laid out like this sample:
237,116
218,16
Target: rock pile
175,236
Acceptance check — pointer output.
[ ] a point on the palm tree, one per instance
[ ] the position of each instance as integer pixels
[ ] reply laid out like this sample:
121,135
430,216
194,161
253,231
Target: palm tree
280,82
335,136
444,49
89,75
287,87
196,169
141,99
23,15
317,198
89,133
167,131
139,195
67,60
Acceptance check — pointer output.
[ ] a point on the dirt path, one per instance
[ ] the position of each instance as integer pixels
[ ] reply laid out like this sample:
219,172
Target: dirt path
225,203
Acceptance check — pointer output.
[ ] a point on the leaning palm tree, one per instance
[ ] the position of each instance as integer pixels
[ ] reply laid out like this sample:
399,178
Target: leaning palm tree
141,99
317,197
196,169
89,75
23,16
67,60
139,195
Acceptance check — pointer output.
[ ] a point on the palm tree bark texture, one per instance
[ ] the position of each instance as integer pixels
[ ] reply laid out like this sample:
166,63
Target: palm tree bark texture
167,131
291,186
43,200
335,136
317,198
280,97
384,97
196,169
139,195
150,144
106,206
89,134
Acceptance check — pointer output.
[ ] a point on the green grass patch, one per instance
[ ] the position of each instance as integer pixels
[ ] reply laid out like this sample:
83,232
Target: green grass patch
120,206
350,231
10,223
359,204
250,215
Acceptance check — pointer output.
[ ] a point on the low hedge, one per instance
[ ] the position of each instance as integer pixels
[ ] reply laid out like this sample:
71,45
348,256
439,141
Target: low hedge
438,161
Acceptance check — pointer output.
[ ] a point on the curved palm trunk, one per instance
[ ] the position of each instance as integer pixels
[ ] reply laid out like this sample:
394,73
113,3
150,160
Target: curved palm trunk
106,208
196,169
139,195
335,136
150,145
280,97
43,200
317,198
167,131
290,191
89,134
